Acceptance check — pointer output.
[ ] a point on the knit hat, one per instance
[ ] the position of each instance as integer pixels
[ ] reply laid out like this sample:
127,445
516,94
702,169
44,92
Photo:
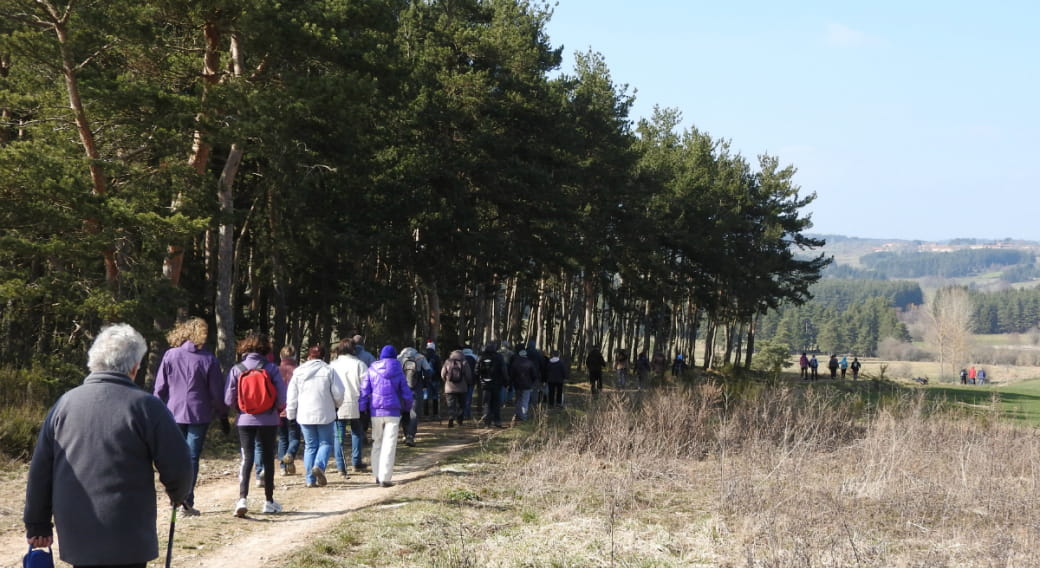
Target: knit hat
522,353
430,344
388,352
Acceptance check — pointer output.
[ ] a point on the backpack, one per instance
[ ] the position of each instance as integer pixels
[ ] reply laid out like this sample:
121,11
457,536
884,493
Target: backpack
412,373
484,369
455,372
256,391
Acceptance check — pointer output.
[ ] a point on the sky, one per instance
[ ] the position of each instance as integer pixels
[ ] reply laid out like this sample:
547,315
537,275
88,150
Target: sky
908,120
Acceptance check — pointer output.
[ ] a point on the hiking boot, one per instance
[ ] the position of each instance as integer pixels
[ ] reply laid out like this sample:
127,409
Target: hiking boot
240,508
289,463
451,423
272,507
387,484
189,511
360,467
410,442
319,476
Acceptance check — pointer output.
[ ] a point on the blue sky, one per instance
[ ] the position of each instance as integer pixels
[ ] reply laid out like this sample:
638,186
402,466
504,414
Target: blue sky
909,120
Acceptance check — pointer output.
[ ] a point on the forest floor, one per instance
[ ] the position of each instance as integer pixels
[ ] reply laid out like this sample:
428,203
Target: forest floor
217,538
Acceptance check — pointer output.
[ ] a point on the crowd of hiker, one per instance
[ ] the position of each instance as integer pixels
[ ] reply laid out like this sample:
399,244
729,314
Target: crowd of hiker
282,409
648,369
809,367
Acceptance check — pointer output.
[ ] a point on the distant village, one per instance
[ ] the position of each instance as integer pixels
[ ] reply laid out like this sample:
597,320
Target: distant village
956,245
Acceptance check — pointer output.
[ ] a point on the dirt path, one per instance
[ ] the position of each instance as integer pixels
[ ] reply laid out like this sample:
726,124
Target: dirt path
218,539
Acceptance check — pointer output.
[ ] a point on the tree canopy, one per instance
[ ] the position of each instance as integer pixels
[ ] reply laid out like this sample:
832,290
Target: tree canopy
401,169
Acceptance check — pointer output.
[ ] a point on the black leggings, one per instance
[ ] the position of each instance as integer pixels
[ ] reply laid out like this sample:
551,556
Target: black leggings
247,436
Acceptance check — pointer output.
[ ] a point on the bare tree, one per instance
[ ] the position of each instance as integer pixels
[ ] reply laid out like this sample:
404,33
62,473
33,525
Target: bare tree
949,314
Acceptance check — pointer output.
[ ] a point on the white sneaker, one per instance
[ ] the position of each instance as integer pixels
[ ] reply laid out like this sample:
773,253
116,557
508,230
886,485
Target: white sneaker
272,507
240,508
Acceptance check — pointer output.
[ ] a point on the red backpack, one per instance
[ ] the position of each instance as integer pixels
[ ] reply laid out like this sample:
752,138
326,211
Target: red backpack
256,391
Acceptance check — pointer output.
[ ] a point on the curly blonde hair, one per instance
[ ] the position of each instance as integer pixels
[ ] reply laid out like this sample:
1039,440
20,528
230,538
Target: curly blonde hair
253,342
194,330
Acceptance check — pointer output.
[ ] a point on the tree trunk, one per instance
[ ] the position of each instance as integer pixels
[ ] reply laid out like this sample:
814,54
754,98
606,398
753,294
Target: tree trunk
588,333
646,347
709,342
749,354
5,113
226,246
728,357
433,300
226,260
173,264
98,181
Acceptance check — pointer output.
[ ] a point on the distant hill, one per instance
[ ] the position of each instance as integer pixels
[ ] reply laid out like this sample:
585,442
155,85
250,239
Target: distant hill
979,263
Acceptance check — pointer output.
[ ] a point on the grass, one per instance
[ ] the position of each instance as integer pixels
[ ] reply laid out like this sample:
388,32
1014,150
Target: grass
875,473
1019,401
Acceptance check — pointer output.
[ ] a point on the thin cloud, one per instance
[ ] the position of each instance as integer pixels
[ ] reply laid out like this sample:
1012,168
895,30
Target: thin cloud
838,35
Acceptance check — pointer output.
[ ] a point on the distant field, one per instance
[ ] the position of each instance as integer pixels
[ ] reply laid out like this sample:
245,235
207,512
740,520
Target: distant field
1017,388
906,370
1020,400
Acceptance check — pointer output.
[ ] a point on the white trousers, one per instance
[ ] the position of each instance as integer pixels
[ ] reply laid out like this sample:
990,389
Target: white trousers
384,446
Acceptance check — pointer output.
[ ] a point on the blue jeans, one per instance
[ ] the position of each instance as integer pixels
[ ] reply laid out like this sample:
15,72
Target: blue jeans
357,442
288,438
195,436
523,404
467,404
257,454
318,439
412,426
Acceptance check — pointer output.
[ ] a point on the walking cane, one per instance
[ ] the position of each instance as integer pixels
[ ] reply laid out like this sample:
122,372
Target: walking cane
169,544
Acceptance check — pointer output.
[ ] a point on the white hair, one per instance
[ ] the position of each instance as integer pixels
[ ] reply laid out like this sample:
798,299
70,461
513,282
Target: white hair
118,348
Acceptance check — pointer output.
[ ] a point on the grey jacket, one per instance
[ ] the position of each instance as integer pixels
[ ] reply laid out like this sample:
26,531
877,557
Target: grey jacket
92,470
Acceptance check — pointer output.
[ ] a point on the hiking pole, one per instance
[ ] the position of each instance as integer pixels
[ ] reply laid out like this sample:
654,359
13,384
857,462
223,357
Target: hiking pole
169,544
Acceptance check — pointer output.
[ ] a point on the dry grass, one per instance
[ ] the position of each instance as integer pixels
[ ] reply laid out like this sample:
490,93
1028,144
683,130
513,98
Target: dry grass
701,477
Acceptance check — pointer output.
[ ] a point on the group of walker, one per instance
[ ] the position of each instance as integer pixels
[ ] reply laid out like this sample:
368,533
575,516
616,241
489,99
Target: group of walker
973,376
809,367
105,510
92,472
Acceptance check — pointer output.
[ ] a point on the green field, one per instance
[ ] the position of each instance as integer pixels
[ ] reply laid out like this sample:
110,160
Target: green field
1020,400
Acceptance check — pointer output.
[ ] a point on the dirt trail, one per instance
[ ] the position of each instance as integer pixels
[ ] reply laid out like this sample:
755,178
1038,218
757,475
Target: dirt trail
218,539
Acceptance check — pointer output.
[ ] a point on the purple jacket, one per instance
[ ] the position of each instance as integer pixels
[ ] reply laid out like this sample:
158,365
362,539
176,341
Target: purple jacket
384,390
269,418
189,381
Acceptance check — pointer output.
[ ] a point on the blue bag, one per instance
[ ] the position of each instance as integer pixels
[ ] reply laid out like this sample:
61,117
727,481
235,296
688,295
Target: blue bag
38,558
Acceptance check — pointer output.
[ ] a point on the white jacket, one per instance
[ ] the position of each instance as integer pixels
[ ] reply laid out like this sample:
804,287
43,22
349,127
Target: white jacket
315,392
351,370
